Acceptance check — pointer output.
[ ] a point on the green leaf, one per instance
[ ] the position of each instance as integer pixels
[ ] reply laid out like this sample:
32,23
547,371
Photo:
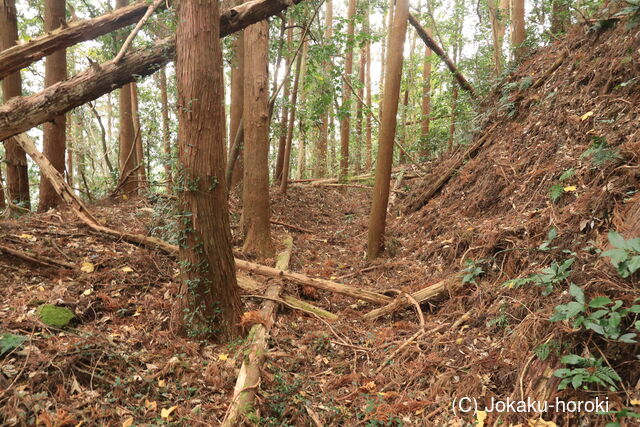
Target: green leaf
571,359
628,338
55,316
574,308
562,372
617,240
598,302
576,381
634,264
617,256
10,341
577,293
634,244
594,327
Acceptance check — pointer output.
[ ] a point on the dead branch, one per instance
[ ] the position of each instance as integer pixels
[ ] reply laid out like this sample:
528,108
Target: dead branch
36,259
129,39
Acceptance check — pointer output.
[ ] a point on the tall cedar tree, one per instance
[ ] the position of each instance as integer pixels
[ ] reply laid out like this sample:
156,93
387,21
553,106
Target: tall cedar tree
166,137
16,159
54,136
391,93
137,131
518,32
127,155
284,179
208,302
323,139
498,13
284,117
237,98
368,150
426,101
346,94
256,211
560,16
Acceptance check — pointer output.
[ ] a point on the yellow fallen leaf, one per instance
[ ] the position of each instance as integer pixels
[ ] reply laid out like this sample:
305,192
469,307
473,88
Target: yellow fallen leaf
87,267
126,269
585,116
570,188
166,412
151,406
635,402
223,356
459,341
87,292
481,416
125,197
27,237
41,288
541,423
128,422
162,383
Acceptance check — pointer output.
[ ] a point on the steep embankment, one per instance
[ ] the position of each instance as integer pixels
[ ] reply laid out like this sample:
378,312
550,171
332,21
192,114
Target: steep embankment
561,156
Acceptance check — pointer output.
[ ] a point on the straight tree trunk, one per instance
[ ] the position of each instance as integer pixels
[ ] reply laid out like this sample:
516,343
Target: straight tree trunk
166,137
395,48
127,151
323,140
70,149
237,99
518,32
454,107
16,159
284,179
137,131
256,210
498,14
403,120
346,95
388,14
282,140
426,101
54,137
359,113
208,303
560,16
368,128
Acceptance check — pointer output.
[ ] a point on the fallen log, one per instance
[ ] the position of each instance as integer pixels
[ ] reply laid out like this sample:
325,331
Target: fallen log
22,113
425,194
36,259
431,43
430,292
244,392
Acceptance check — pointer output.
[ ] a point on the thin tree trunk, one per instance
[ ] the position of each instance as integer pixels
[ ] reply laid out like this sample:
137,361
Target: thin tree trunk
284,179
256,210
345,126
103,139
560,16
383,58
302,135
426,101
359,113
368,128
70,148
518,32
237,99
498,13
208,303
454,107
3,204
16,159
282,140
395,48
137,129
323,140
403,119
54,137
166,137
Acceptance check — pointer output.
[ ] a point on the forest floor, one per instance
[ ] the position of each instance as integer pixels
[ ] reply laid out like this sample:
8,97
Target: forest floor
519,223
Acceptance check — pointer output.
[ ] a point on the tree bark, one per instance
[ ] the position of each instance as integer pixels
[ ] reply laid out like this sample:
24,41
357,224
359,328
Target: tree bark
359,113
54,137
282,140
498,14
426,101
323,139
518,32
208,303
3,204
17,173
166,136
388,14
237,99
137,129
284,179
255,201
368,128
24,113
560,16
429,41
345,127
386,138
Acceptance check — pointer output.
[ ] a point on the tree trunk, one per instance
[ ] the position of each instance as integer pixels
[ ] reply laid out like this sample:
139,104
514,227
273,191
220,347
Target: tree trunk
256,211
54,137
17,173
70,149
23,113
383,58
403,120
498,13
166,136
560,16
137,130
368,149
237,99
3,204
302,136
323,140
386,138
346,94
454,107
282,140
359,135
426,101
208,303
518,32
284,179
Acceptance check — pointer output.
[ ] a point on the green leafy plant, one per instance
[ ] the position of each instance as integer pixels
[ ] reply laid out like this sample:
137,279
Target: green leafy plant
546,245
626,257
10,341
585,371
620,415
473,270
55,316
605,319
599,152
547,278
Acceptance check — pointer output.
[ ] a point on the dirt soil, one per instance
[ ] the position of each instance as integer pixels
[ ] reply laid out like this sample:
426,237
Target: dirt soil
120,364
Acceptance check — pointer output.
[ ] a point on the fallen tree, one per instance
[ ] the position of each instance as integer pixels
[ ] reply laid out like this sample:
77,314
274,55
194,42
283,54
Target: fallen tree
431,43
22,113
